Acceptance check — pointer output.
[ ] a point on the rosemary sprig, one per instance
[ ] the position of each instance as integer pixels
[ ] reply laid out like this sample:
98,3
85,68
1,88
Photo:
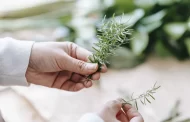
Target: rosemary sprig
111,35
143,98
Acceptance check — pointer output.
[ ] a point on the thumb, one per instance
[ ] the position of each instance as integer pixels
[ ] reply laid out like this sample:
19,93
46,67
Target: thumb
79,66
113,106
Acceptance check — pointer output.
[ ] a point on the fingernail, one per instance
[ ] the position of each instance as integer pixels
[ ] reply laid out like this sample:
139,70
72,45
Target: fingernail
92,66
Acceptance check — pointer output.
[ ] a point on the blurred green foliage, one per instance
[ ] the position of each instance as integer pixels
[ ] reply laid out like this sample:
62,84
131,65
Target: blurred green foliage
161,28
175,115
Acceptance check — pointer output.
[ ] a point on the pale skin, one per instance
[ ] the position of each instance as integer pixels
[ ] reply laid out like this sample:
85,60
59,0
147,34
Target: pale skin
116,111
62,66
65,65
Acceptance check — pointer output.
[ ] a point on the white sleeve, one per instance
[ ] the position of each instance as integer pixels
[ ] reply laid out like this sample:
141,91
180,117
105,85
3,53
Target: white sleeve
14,59
90,117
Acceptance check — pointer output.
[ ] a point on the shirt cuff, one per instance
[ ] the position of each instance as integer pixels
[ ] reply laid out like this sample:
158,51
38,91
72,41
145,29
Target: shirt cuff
90,117
14,61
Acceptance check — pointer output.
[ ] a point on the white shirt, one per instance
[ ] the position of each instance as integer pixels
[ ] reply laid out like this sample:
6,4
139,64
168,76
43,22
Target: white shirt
14,60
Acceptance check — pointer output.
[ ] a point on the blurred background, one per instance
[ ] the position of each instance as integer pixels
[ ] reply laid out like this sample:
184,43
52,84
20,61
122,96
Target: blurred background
159,51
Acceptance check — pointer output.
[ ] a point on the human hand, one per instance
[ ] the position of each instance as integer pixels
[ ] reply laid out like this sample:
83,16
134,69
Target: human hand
115,111
61,65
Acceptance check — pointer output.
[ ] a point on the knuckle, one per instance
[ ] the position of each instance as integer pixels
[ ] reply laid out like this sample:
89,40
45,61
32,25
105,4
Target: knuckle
72,45
81,65
72,48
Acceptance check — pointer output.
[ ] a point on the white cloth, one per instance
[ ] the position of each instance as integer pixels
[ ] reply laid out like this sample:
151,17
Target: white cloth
14,60
90,117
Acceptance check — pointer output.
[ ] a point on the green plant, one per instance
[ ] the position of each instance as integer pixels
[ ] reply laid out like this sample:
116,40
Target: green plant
143,98
111,35
161,28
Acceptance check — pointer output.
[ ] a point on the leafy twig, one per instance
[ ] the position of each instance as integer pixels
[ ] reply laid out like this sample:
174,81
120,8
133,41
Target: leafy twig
111,35
143,98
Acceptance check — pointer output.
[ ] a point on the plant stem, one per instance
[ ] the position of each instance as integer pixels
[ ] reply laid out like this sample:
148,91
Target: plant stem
134,99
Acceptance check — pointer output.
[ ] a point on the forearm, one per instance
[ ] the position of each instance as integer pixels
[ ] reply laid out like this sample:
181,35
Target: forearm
14,59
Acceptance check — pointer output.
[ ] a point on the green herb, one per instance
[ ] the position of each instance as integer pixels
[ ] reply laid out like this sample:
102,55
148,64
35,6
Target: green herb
143,98
111,35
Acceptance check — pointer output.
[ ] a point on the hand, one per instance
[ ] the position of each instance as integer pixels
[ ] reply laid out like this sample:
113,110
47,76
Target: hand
112,112
61,65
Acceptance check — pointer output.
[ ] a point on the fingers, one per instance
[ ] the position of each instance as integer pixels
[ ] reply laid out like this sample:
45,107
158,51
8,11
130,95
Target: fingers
78,52
60,79
113,106
132,113
82,55
104,68
71,81
80,67
96,76
71,86
122,117
88,84
77,78
110,110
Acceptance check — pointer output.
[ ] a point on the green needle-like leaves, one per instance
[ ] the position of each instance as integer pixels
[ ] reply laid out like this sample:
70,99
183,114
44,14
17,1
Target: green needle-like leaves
143,98
111,35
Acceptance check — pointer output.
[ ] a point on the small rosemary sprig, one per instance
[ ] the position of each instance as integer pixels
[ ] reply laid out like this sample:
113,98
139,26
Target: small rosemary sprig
111,35
143,98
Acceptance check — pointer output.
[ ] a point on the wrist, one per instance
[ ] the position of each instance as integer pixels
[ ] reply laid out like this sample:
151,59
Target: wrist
32,64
